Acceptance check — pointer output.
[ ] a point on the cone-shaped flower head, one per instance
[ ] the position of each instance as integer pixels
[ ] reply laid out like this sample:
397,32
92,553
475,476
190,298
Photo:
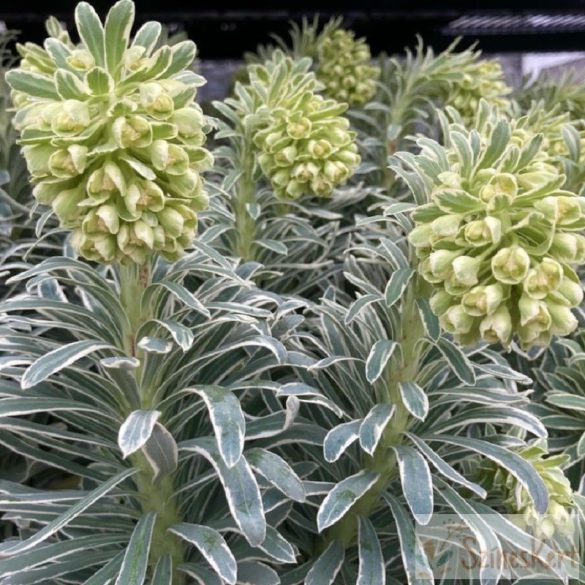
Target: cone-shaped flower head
496,234
112,136
344,66
478,80
305,145
517,501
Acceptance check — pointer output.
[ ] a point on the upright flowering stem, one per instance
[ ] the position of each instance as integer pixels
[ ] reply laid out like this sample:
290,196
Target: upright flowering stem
155,495
245,195
403,368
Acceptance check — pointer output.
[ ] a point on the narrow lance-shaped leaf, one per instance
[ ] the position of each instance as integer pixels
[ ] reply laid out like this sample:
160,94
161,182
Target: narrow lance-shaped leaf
227,420
417,483
161,452
457,360
339,438
414,399
372,570
163,572
117,32
343,496
241,489
135,563
397,285
326,567
136,430
91,31
212,546
378,358
373,426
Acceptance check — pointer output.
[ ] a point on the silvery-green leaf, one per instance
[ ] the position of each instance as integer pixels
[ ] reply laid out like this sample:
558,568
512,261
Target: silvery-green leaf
143,170
378,358
212,546
71,513
182,335
60,358
273,245
414,558
227,419
521,469
107,574
99,81
32,404
457,360
183,54
306,393
488,543
147,36
414,399
445,469
70,86
91,31
326,567
135,563
163,572
372,570
255,573
155,345
121,363
201,574
277,547
373,425
31,83
397,285
241,489
161,451
136,430
278,472
429,319
343,496
180,292
339,438
117,32
417,483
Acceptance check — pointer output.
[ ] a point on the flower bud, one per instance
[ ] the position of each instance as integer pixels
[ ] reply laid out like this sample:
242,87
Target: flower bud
66,163
482,232
543,279
441,263
132,131
72,118
420,236
560,209
569,293
465,270
483,300
456,321
446,226
81,60
169,158
497,327
563,320
511,265
440,302
568,247
155,101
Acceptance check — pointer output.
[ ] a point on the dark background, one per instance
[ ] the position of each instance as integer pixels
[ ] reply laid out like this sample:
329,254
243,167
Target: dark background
226,28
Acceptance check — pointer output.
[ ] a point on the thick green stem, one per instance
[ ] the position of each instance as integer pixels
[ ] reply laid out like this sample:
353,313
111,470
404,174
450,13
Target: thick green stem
245,195
404,368
154,496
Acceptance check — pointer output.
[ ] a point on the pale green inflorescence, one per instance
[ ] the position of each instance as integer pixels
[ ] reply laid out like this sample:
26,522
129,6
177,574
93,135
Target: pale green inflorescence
112,136
518,502
500,238
344,66
305,144
480,80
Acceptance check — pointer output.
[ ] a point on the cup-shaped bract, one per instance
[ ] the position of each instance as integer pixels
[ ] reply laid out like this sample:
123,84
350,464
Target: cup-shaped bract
112,135
305,145
498,238
344,66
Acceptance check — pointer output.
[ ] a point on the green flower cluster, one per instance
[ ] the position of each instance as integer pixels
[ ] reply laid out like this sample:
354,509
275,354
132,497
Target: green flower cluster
344,67
478,80
112,137
499,237
305,144
518,502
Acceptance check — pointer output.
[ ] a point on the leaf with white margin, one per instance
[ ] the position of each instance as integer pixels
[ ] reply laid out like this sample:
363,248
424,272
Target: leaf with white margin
227,419
414,399
161,452
256,573
135,563
155,345
378,358
417,483
136,430
212,546
241,490
306,393
343,496
278,472
373,426
60,358
339,438
372,570
326,567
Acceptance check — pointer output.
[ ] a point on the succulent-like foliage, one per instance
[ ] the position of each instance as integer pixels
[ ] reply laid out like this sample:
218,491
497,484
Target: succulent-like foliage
344,66
112,136
496,235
